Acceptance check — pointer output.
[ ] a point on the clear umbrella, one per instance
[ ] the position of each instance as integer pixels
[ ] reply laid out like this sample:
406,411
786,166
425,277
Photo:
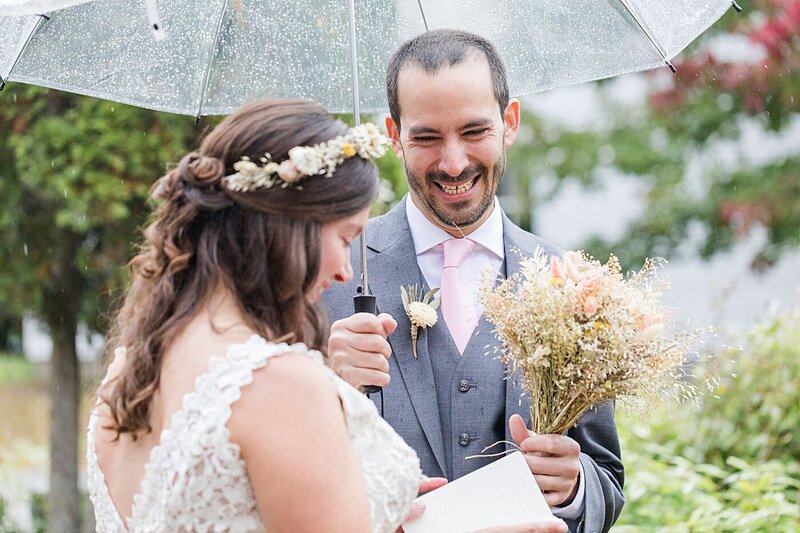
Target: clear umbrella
218,54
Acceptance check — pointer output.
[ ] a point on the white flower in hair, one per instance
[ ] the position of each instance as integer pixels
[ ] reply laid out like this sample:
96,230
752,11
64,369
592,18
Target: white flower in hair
368,142
288,172
246,166
364,140
306,160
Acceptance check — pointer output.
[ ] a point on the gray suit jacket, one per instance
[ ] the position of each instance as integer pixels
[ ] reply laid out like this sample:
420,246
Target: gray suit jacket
410,400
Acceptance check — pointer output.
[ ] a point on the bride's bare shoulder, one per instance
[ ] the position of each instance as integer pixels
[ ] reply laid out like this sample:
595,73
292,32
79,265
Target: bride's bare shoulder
290,385
292,434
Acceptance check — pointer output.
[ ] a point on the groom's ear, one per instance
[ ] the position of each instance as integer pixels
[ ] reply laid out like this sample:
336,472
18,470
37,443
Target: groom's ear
511,122
394,134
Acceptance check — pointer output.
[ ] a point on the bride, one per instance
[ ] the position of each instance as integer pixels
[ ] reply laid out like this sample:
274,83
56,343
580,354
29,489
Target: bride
217,412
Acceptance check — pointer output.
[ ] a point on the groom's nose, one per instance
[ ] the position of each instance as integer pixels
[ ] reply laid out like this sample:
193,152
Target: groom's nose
453,159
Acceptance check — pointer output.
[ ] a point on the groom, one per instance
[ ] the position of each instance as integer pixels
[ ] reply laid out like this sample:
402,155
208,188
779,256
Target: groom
451,123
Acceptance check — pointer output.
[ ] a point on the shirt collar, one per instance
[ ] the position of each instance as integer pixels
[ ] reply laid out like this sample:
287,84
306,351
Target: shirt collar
426,235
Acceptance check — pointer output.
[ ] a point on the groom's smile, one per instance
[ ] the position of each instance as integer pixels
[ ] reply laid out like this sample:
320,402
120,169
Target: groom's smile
456,188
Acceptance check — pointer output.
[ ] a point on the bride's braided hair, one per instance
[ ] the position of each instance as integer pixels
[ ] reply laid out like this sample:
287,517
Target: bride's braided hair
263,246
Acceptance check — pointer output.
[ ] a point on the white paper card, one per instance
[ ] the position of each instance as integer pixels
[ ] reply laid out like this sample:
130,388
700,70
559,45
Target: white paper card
502,493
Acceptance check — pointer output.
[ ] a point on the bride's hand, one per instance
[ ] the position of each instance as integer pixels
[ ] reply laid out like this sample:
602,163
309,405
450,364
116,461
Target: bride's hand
426,484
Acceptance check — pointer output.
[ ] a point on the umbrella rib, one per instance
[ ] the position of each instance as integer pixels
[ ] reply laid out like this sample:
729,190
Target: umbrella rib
422,12
646,30
22,50
207,76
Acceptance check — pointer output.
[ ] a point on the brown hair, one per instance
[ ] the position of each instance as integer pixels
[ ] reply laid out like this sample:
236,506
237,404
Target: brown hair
436,49
263,246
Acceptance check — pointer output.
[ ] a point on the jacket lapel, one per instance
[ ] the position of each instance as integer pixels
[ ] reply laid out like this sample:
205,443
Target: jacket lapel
394,265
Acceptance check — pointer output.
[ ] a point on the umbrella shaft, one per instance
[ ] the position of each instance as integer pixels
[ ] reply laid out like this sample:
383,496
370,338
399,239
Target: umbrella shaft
351,11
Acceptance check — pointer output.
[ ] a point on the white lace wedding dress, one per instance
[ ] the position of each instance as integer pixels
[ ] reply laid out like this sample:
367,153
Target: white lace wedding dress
195,479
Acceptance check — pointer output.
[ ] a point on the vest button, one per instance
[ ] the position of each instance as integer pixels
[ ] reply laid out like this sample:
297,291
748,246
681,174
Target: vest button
463,439
463,385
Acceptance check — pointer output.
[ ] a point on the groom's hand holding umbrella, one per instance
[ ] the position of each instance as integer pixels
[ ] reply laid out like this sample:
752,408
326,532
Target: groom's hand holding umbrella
358,350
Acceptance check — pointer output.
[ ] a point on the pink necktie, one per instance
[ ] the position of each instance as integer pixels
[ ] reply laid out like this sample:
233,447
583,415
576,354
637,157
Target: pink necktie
458,308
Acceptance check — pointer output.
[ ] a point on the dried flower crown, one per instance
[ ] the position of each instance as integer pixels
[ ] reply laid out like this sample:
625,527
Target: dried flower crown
323,158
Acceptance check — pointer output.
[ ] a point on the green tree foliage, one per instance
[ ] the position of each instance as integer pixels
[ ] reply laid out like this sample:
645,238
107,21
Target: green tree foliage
77,166
707,102
75,177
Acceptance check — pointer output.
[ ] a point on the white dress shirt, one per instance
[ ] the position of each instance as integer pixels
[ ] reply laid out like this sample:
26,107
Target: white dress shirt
488,254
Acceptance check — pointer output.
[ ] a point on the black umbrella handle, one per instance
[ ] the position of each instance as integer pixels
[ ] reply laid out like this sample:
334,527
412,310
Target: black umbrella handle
367,303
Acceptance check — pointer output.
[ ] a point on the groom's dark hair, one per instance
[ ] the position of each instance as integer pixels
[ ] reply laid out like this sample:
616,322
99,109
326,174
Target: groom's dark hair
436,49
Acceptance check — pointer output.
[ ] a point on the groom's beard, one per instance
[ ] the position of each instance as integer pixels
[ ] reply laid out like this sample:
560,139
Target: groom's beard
464,217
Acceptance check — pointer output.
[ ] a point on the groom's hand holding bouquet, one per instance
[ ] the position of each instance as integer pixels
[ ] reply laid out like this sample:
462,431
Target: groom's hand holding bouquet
553,459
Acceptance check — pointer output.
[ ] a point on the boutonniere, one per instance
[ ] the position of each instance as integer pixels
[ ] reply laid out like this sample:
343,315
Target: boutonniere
421,310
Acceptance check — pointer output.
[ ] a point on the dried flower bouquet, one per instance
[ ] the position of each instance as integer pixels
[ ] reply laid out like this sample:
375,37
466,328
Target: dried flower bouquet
578,332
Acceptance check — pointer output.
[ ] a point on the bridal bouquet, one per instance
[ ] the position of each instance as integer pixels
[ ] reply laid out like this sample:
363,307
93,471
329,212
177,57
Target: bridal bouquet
579,332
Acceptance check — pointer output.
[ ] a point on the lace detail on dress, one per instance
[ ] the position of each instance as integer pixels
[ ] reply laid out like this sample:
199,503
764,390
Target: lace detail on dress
390,467
196,480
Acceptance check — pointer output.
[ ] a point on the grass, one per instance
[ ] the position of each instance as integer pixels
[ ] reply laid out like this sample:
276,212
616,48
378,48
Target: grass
15,370
23,425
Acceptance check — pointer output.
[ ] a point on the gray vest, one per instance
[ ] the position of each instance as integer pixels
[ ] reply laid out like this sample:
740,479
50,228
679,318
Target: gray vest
471,393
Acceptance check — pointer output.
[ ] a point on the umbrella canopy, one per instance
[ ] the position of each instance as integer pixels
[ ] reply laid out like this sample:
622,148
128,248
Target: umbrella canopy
33,7
219,54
